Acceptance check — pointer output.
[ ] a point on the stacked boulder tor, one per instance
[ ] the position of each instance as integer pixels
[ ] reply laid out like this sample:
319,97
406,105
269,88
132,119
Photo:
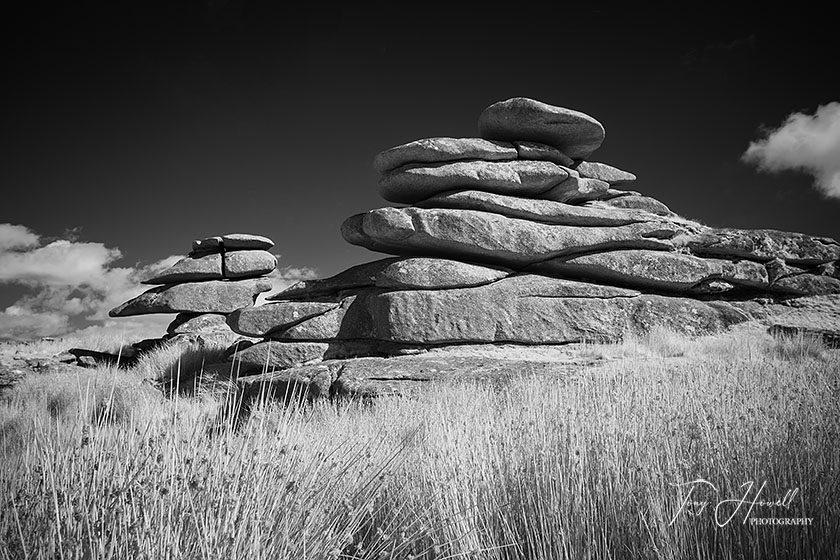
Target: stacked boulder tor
220,275
517,237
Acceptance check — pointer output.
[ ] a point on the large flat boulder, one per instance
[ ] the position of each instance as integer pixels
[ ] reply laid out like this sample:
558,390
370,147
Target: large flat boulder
213,296
527,309
412,183
534,310
574,133
436,150
483,237
547,211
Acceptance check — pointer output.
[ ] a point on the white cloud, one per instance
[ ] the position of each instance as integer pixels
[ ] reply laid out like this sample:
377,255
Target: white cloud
13,237
72,285
809,143
60,263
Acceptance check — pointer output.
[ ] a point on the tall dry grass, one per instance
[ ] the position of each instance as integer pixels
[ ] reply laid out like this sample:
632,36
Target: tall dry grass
581,466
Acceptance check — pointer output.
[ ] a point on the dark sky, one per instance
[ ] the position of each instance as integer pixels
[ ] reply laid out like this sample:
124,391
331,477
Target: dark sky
145,128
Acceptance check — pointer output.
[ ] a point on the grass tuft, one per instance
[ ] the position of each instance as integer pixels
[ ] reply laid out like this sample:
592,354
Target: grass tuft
553,468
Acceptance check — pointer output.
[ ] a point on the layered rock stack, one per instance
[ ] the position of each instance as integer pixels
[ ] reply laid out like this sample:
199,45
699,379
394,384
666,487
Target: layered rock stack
220,275
517,237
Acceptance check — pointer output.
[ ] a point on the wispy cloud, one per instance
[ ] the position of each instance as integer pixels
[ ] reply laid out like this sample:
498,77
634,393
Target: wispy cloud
809,143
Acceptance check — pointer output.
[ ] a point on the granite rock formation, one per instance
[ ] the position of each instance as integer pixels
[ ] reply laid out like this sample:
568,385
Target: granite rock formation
514,238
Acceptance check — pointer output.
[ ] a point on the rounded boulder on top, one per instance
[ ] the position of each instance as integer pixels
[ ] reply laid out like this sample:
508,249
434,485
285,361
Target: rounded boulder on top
574,133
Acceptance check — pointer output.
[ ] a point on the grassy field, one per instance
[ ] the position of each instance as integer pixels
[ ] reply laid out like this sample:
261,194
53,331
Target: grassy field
591,465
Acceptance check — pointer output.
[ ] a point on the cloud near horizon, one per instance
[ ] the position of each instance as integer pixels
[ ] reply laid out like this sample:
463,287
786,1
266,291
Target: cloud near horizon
809,143
73,284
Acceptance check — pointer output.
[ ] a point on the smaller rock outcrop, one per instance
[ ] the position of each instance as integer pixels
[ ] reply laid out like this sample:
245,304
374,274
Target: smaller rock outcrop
220,275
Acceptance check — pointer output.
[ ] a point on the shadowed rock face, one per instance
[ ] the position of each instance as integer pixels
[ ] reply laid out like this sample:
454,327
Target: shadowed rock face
262,320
